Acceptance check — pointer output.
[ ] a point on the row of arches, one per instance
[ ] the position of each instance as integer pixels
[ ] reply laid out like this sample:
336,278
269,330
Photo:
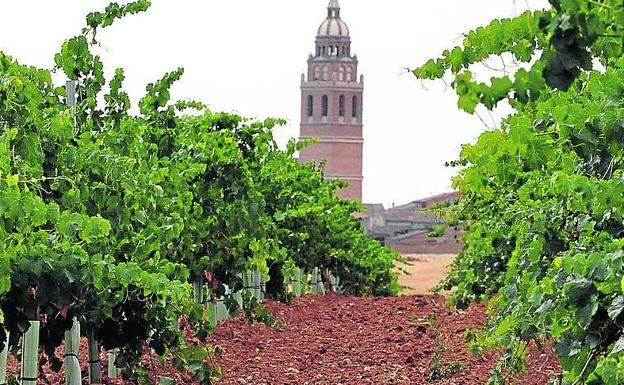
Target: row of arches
332,50
345,73
325,106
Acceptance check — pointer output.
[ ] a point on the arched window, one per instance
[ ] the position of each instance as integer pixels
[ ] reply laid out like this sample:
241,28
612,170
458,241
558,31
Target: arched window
325,107
325,72
323,50
317,72
344,51
341,73
341,106
310,105
354,107
318,50
349,74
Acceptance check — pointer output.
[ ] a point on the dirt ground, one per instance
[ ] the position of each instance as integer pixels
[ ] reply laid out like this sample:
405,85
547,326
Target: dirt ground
342,340
426,271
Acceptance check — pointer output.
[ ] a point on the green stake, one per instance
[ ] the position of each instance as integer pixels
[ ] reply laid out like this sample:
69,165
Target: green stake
317,282
257,284
198,293
72,347
212,311
30,355
248,282
3,360
238,296
113,371
95,373
262,286
297,288
162,380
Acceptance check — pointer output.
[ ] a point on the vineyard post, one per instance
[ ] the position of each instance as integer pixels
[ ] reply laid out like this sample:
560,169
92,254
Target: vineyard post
320,286
70,87
30,355
317,282
213,312
72,337
238,296
296,283
163,380
198,292
73,375
247,284
262,286
222,310
95,375
112,368
257,285
3,359
335,281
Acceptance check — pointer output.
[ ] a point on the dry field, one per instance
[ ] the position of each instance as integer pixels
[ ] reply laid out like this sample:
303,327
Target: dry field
426,271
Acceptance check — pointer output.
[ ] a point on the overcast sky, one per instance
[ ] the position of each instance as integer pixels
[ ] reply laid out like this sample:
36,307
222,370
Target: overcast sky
247,56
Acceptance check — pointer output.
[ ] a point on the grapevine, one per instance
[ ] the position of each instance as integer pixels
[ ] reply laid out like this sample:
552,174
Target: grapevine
542,195
110,217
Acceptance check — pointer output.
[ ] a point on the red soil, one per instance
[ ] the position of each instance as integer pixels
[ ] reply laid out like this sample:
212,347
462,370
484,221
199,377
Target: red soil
335,340
340,340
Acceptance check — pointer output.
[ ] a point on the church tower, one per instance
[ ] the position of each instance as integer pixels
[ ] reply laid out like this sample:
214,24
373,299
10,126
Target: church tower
331,105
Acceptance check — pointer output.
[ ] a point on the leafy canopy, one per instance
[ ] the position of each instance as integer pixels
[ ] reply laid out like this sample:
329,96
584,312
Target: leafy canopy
543,195
109,216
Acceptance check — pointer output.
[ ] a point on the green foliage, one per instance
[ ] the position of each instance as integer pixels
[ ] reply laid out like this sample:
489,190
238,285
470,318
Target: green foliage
543,195
113,12
109,217
439,369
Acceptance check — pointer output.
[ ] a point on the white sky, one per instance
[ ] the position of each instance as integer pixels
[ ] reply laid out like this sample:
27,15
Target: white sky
247,56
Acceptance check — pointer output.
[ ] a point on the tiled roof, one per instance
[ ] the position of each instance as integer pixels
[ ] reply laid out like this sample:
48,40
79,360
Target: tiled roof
408,219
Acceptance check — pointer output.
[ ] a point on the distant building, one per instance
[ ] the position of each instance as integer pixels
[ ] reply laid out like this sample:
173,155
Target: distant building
331,112
405,228
331,105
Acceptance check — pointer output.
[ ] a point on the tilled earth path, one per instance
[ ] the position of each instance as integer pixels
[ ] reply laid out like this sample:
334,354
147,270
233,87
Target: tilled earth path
340,340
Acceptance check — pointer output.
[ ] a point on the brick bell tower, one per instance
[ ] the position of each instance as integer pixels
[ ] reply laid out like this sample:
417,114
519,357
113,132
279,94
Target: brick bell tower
331,105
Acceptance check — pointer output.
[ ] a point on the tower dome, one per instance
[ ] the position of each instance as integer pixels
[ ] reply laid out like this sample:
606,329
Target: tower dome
333,26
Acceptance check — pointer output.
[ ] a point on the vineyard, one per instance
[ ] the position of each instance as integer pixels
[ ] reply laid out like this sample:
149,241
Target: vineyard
121,228
130,233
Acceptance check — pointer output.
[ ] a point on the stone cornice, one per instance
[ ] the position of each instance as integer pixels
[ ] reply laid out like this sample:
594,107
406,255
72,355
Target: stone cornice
334,139
329,125
331,85
344,177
